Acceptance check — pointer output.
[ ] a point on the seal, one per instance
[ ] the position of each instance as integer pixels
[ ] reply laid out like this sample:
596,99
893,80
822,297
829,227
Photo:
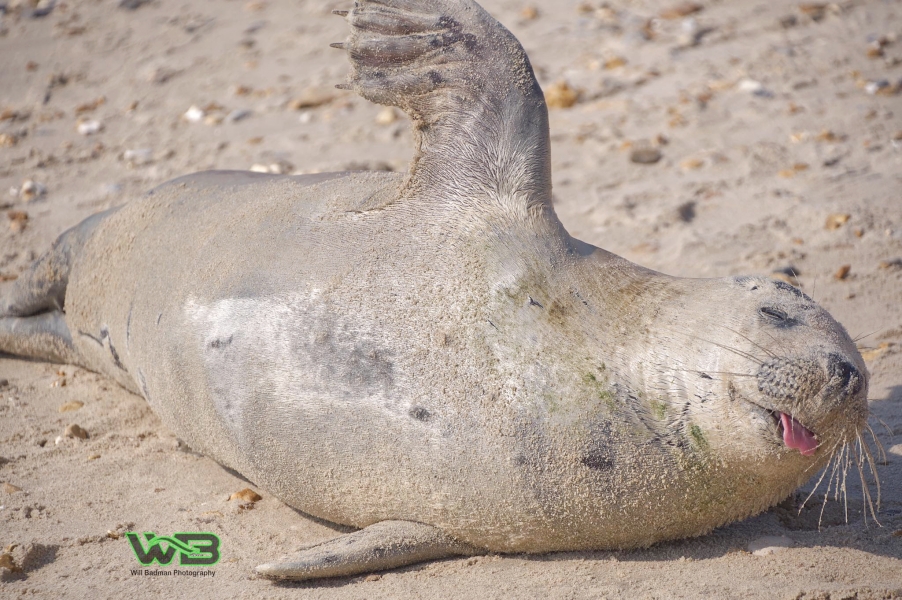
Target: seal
432,358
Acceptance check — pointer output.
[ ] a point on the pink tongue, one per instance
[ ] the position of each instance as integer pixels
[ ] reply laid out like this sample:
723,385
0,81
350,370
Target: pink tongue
796,436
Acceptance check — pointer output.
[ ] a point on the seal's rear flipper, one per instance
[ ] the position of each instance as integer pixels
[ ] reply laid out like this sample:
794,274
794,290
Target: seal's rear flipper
32,319
44,336
42,287
383,545
480,122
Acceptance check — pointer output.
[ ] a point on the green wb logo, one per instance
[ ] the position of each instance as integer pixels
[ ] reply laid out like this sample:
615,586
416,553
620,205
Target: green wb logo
199,548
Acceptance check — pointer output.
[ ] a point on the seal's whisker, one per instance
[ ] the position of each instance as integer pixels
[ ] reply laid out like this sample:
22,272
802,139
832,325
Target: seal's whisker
818,484
867,499
746,338
889,429
838,469
772,338
705,372
831,453
845,471
835,464
873,466
877,442
861,337
865,492
729,373
745,355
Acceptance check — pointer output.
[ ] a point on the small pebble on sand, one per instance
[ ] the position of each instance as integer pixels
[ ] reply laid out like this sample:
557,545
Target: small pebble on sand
237,115
312,98
75,431
749,85
814,10
89,127
70,406
10,488
645,155
90,106
561,95
138,157
194,114
386,116
18,220
132,4
836,220
691,164
31,190
7,562
681,10
246,495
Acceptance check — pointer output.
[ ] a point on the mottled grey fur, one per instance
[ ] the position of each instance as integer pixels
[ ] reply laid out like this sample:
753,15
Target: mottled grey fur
435,348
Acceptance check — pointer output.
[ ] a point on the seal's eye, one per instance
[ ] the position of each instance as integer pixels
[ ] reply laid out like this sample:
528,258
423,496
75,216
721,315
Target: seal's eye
774,314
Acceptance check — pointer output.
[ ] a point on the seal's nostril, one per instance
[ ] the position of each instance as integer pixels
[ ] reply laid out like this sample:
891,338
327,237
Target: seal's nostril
843,374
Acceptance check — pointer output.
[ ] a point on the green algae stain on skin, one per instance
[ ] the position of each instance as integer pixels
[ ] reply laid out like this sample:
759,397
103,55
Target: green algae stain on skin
659,409
600,389
698,437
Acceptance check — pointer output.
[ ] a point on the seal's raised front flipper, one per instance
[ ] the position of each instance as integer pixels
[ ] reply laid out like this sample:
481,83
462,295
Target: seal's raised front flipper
480,122
383,545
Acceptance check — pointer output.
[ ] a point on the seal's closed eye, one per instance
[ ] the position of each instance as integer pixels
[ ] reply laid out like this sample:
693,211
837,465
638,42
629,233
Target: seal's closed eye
774,314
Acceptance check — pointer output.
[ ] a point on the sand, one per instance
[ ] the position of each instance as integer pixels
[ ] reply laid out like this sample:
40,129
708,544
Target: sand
772,139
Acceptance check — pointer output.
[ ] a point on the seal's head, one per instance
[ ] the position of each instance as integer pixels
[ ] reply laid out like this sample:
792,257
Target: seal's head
767,377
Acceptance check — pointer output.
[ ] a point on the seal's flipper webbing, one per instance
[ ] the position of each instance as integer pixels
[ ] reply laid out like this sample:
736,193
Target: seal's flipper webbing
44,336
480,122
383,545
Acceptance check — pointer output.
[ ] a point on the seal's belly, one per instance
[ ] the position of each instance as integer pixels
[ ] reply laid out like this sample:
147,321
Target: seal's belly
344,413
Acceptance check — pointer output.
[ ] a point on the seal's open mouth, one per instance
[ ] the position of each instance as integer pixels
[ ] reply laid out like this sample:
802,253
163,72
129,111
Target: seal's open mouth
795,435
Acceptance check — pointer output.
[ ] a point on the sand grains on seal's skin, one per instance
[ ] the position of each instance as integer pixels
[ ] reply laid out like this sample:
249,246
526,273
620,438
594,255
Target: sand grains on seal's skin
233,332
